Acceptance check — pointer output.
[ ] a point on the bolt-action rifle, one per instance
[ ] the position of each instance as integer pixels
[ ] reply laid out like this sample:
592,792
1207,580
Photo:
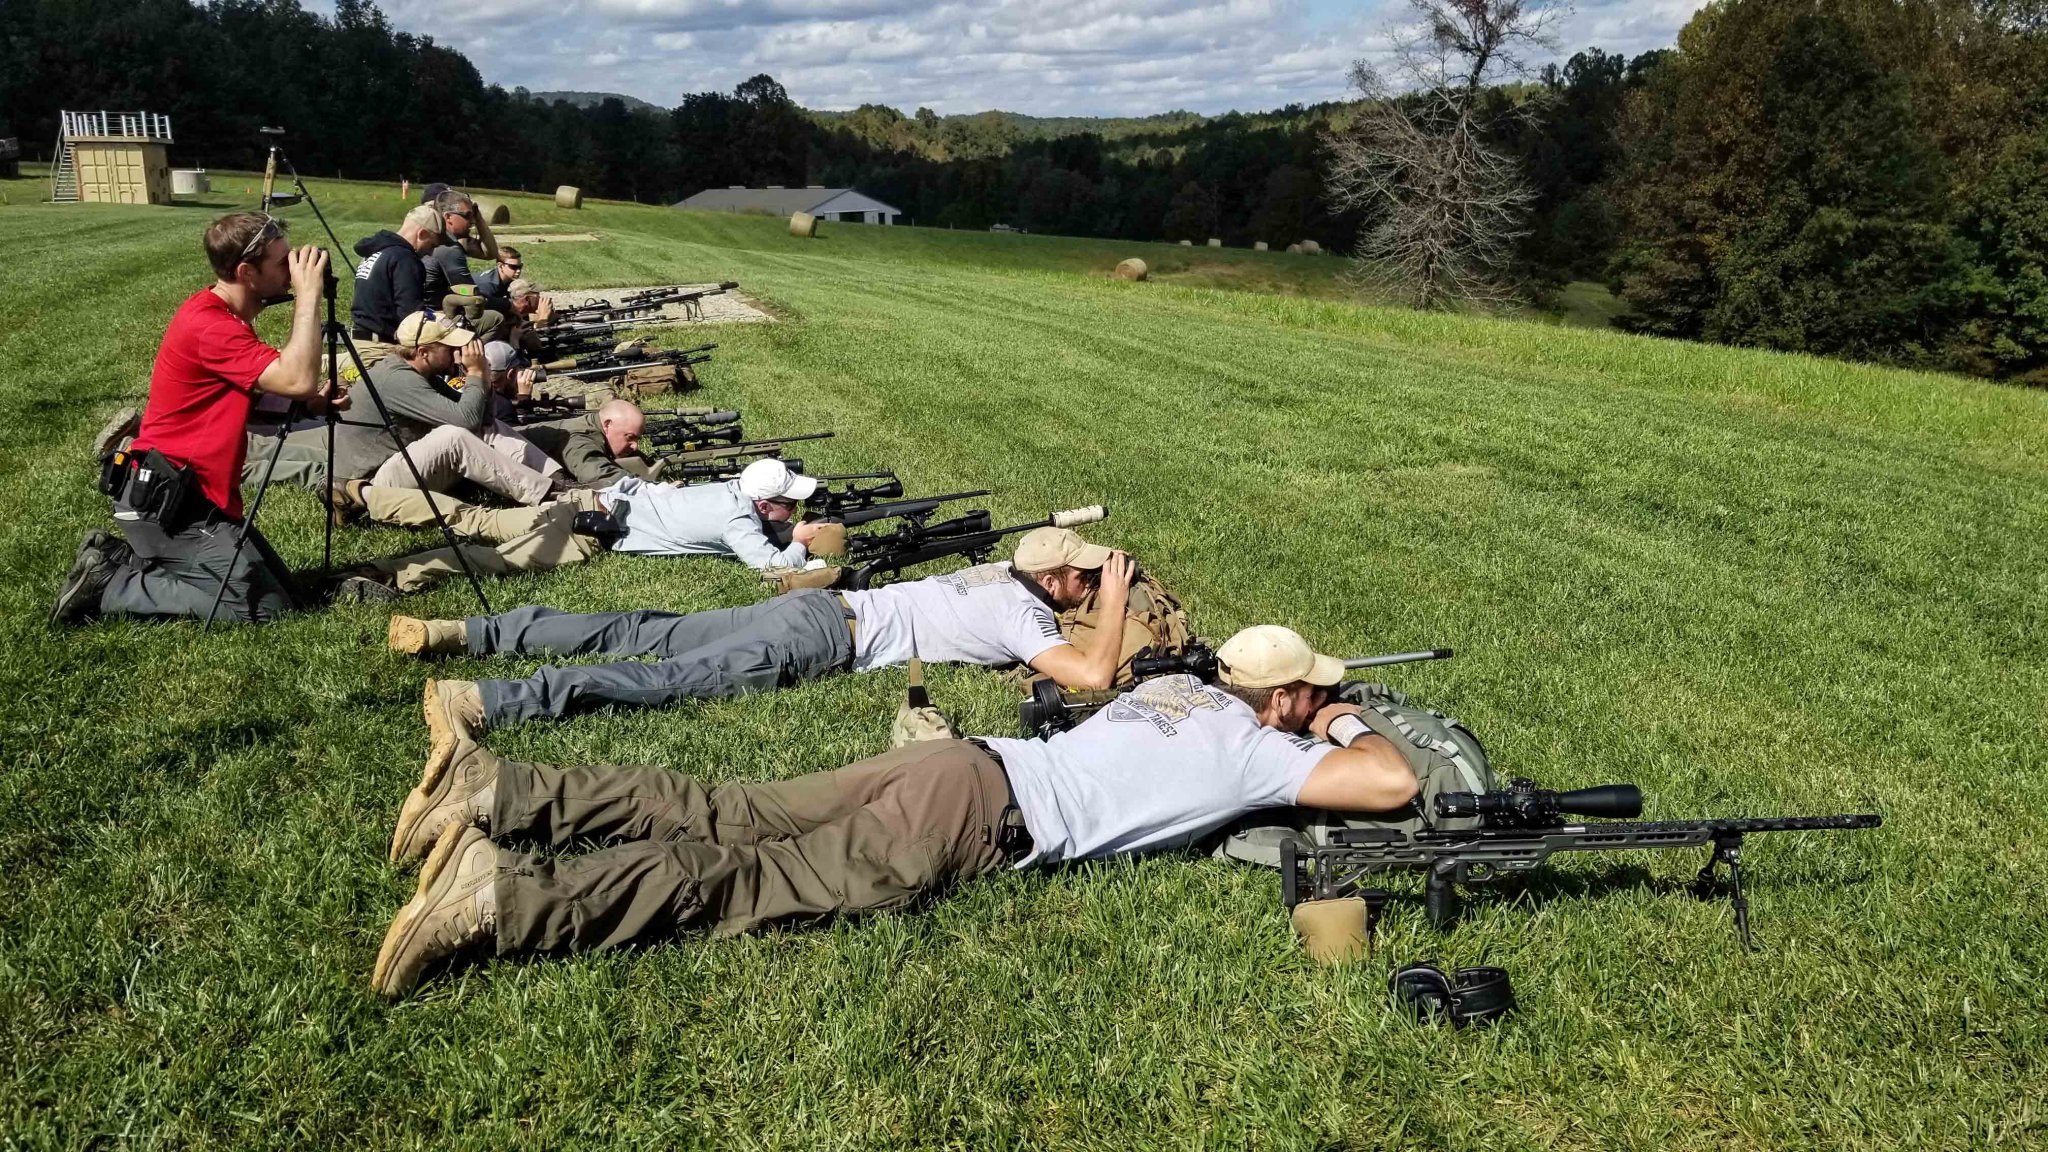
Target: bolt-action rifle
645,301
920,542
854,497
1051,709
768,447
604,365
627,354
917,512
1519,828
716,471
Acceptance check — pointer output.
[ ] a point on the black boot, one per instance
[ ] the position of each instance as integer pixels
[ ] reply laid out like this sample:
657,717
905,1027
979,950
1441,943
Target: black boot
99,556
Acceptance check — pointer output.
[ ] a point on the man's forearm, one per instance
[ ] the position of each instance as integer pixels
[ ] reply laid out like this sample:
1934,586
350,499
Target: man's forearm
301,356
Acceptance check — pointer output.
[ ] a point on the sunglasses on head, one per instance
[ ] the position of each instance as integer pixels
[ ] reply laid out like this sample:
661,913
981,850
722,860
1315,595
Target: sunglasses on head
273,229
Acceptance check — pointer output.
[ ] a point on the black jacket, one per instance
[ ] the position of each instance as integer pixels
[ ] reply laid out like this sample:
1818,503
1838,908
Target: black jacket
446,267
388,285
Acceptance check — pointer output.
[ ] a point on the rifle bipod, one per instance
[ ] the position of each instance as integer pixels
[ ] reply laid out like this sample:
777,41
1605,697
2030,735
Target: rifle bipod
1727,850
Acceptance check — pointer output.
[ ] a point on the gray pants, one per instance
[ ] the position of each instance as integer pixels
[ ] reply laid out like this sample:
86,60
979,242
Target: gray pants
726,652
178,574
302,459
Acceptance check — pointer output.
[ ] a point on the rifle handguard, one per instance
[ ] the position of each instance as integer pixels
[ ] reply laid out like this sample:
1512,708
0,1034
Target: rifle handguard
1075,517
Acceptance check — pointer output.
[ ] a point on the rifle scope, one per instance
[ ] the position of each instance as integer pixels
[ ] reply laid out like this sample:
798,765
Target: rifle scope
1197,660
1523,805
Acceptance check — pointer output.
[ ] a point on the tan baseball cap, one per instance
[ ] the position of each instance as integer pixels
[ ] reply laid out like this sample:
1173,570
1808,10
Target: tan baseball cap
421,329
521,288
1044,549
1268,656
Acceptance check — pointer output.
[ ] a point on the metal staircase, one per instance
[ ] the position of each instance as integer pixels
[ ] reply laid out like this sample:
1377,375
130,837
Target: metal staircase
147,126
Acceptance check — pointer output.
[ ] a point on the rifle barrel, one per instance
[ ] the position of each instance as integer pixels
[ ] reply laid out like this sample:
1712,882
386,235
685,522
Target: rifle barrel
1397,658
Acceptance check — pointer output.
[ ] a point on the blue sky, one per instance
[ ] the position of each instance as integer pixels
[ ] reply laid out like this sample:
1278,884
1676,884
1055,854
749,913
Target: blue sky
1044,57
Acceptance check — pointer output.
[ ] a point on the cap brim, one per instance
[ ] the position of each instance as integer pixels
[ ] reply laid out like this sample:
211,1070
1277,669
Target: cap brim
457,337
1324,671
800,487
1090,556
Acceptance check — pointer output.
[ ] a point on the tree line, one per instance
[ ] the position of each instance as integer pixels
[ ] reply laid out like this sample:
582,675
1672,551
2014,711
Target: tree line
1860,178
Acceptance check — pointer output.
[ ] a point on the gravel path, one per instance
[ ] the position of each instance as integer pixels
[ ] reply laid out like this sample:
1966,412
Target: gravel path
729,307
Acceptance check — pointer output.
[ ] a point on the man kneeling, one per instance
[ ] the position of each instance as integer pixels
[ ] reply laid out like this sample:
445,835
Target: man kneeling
1164,765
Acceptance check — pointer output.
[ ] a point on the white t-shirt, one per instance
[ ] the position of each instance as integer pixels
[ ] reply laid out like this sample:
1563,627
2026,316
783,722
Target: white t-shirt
978,615
1160,767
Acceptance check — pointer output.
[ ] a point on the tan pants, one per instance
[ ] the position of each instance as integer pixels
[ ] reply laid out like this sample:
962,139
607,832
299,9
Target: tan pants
877,834
505,440
449,454
551,543
408,508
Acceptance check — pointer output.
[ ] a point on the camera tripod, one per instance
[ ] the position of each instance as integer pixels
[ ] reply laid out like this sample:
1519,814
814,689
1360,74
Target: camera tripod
335,336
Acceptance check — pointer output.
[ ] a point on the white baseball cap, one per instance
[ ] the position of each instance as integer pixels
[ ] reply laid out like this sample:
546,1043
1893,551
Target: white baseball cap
498,355
1268,656
771,479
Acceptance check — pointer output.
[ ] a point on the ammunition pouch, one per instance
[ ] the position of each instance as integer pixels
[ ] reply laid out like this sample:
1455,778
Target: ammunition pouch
151,486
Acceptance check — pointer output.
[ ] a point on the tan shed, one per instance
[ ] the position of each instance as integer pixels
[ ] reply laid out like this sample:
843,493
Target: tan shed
114,158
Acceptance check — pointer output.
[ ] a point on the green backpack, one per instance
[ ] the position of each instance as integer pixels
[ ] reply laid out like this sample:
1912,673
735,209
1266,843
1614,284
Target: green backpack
1444,755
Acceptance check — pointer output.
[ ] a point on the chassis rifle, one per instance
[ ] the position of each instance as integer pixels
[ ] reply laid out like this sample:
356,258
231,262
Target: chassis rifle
716,471
920,542
768,447
917,512
1519,828
645,301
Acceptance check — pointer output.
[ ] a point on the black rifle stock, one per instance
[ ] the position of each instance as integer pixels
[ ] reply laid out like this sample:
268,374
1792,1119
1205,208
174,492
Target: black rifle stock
768,447
914,510
969,536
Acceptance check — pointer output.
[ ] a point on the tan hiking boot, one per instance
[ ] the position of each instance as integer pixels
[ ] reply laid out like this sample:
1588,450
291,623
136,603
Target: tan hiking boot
460,792
455,713
454,909
345,500
428,637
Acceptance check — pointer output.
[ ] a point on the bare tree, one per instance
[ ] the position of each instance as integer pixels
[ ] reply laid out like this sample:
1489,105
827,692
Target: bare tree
1444,207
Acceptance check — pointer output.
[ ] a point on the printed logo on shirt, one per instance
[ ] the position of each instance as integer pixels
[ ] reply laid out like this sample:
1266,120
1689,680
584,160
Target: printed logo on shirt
1303,742
968,579
1048,626
363,269
1165,702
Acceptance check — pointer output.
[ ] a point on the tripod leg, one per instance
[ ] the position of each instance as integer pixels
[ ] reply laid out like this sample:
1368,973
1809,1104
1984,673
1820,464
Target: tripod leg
384,414
327,494
249,518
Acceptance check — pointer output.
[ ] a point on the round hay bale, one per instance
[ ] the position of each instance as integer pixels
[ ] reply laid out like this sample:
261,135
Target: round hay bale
1215,243
1259,246
1187,243
1311,247
1132,269
568,196
495,211
1295,249
803,225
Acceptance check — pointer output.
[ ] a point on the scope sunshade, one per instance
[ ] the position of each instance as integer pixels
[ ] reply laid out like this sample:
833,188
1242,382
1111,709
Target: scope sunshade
1468,998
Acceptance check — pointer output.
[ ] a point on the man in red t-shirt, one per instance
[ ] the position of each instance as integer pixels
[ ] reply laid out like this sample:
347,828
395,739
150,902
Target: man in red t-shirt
208,370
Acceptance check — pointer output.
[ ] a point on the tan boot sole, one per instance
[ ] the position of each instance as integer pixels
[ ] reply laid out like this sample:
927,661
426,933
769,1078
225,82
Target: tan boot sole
405,925
441,735
418,803
407,635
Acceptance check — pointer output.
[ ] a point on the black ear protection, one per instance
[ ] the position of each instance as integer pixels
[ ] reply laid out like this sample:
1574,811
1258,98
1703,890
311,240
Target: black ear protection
1468,998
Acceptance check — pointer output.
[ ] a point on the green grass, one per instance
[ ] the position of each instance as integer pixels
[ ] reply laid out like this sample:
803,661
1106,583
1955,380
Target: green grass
1751,583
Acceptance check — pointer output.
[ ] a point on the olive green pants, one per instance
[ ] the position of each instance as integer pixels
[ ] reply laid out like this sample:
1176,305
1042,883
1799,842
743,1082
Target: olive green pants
873,835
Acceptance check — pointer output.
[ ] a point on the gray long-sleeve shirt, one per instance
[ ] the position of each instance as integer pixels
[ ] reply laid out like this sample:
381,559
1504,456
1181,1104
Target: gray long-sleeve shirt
417,406
702,520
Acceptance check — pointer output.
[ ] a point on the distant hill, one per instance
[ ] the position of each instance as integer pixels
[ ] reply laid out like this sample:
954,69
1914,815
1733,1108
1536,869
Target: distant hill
593,99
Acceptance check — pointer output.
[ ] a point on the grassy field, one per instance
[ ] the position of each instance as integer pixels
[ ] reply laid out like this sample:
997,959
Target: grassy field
1754,584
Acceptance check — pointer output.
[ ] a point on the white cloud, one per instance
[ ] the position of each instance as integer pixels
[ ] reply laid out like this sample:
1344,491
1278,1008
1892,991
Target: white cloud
1046,57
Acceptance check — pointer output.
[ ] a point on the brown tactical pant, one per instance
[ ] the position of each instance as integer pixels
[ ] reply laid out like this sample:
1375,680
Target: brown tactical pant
873,835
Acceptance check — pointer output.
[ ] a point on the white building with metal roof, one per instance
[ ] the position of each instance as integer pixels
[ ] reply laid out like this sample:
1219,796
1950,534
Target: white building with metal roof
841,205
